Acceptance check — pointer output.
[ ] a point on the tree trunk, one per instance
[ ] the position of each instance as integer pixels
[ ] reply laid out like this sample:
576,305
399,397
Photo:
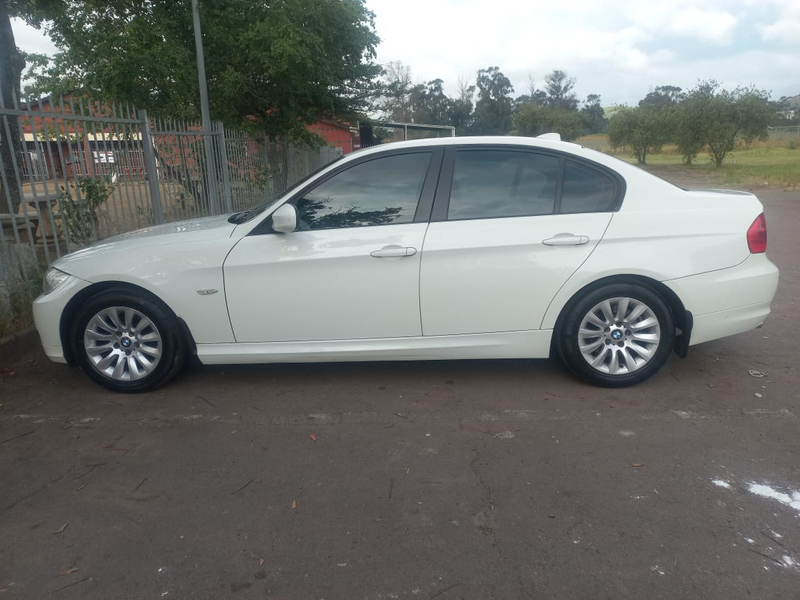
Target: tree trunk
11,65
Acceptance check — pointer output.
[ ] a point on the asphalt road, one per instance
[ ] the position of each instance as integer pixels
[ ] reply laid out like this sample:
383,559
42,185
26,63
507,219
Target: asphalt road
503,479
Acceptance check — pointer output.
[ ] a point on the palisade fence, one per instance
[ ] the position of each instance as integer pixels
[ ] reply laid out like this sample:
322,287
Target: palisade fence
84,171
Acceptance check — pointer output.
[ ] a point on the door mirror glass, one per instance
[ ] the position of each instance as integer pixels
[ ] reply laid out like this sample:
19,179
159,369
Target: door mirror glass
284,219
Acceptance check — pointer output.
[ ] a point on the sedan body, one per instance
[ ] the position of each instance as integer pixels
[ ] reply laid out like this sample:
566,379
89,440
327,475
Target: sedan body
458,248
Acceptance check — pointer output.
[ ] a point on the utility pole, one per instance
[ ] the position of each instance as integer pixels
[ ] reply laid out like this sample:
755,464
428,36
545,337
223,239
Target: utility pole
212,187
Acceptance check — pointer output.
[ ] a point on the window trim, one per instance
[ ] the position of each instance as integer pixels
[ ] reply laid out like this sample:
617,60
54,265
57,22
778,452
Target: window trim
441,203
424,204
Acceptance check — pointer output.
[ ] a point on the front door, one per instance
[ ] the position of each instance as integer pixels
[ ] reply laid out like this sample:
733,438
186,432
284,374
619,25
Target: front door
350,271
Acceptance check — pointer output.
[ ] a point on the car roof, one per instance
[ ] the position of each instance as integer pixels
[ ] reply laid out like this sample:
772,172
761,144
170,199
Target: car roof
497,140
489,140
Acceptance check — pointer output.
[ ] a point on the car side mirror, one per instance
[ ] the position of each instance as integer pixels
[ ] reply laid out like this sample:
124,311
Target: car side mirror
284,219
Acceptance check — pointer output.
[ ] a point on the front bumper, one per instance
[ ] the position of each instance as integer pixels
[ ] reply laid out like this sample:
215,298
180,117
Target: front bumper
47,311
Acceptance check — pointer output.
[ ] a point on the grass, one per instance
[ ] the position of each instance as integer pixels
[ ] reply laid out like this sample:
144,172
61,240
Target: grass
774,163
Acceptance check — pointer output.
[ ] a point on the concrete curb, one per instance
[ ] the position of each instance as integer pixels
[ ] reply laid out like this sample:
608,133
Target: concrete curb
18,345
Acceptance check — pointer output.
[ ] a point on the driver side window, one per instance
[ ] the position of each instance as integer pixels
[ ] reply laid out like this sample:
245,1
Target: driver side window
381,191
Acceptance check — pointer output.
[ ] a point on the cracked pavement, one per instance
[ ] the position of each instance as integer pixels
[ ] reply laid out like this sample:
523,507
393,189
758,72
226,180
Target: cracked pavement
488,479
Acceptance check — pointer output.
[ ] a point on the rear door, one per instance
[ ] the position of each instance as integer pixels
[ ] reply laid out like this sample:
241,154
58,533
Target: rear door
509,227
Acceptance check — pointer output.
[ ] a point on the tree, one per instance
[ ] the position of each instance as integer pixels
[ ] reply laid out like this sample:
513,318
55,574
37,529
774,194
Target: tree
12,63
640,130
493,109
461,109
664,96
558,87
273,66
721,120
395,93
691,120
593,115
431,105
535,120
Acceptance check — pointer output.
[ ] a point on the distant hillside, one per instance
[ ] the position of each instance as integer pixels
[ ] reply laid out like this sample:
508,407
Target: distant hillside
793,101
608,111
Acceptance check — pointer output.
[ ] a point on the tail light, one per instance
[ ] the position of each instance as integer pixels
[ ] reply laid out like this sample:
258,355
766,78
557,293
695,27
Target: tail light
757,235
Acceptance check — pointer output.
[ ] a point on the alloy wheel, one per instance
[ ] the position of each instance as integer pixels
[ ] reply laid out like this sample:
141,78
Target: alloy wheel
619,336
122,343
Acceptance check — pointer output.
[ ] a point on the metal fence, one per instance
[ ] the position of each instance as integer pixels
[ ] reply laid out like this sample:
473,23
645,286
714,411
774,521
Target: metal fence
786,132
73,171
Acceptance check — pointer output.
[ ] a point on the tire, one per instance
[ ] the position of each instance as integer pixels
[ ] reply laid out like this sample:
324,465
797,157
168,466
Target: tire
127,341
617,335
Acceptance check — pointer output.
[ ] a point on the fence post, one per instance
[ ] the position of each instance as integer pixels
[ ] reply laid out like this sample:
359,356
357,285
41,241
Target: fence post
226,176
211,171
151,167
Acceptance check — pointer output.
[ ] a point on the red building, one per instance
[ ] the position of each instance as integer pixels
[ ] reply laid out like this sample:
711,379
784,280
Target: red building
334,134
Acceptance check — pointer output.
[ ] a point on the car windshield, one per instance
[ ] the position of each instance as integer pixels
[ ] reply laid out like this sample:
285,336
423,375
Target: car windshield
246,215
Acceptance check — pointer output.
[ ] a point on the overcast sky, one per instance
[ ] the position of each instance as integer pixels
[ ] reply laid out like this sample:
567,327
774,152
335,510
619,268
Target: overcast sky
619,49
616,48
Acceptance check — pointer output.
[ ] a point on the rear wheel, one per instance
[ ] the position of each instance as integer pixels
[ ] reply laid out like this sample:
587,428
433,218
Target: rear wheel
617,335
127,341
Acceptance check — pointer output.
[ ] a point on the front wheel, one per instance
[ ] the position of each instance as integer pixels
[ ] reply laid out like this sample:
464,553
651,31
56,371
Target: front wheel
617,335
127,341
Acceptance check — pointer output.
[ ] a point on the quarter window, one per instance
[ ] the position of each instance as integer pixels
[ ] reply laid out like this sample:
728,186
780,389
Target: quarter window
502,183
378,192
586,190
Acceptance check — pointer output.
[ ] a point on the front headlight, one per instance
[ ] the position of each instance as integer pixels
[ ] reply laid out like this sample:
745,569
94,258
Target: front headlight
52,279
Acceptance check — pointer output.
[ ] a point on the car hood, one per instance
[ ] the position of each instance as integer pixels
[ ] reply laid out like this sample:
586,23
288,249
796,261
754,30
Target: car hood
194,232
218,224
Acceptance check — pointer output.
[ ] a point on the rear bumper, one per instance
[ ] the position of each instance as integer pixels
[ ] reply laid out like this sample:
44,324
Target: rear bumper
728,322
728,301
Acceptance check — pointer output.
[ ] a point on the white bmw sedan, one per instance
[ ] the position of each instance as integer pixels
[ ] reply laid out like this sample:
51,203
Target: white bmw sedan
458,248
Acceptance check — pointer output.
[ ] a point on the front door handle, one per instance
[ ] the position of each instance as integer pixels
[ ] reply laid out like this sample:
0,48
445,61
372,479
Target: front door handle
394,252
566,239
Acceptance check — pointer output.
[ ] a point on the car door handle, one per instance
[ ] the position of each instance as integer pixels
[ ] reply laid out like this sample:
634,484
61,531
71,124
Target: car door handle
394,252
566,239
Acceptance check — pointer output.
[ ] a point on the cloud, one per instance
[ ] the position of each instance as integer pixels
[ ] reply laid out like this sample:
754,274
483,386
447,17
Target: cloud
785,32
785,28
712,26
616,48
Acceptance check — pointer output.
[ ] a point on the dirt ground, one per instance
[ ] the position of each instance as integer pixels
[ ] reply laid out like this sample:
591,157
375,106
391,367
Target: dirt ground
491,479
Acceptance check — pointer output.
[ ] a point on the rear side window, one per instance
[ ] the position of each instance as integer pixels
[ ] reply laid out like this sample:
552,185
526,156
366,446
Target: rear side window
502,183
586,190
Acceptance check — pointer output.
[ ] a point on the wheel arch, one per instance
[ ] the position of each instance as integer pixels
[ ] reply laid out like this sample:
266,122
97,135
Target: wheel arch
71,309
683,318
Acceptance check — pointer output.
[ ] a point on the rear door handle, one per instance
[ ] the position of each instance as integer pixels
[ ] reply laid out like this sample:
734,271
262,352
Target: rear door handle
566,239
394,252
